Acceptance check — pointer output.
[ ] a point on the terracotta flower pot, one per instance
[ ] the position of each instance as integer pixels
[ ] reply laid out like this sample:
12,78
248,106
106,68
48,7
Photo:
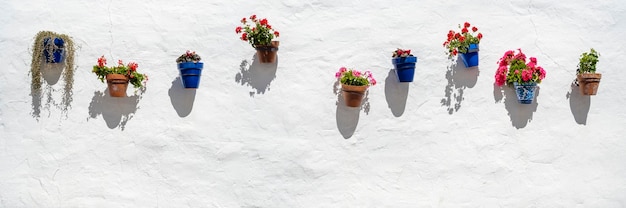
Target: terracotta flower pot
117,84
353,95
588,83
267,53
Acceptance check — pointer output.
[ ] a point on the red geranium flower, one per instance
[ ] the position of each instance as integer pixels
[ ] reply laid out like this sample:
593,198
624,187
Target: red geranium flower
243,20
238,30
263,21
480,36
253,17
464,30
467,24
276,33
244,37
474,29
102,61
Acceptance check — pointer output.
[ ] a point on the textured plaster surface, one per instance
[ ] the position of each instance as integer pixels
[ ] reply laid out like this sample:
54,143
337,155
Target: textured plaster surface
276,135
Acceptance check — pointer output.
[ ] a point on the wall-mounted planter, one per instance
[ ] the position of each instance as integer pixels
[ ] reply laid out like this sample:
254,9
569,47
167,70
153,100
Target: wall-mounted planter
405,68
117,84
470,59
267,54
353,95
54,51
589,82
190,73
525,92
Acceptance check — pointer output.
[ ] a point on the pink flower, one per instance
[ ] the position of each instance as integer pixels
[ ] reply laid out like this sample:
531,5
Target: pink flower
542,73
120,63
527,75
520,55
356,73
533,60
102,61
501,75
343,69
373,81
338,74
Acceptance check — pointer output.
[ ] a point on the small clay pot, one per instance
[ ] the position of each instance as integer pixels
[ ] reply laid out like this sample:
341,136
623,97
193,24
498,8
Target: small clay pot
589,82
117,84
353,95
267,53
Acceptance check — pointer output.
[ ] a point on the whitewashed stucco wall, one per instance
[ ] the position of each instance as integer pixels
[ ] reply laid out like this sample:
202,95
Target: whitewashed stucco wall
274,136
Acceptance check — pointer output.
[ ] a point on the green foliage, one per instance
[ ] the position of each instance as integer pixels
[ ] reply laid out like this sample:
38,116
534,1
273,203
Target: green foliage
350,79
515,71
588,61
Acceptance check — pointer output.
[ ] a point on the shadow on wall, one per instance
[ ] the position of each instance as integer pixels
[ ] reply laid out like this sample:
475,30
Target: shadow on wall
348,117
182,98
396,93
258,76
51,73
115,111
520,114
579,104
459,78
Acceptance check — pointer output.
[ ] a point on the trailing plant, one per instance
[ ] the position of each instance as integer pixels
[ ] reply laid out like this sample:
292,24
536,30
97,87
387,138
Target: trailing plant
459,42
189,56
513,68
588,61
401,53
259,33
130,71
44,41
355,77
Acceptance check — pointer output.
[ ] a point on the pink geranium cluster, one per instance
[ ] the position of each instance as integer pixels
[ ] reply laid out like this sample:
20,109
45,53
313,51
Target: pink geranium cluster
355,77
513,68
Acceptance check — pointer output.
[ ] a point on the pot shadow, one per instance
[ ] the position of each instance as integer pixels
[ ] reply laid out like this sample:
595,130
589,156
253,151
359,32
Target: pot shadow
520,114
182,99
396,93
579,104
348,117
116,112
51,72
459,78
256,75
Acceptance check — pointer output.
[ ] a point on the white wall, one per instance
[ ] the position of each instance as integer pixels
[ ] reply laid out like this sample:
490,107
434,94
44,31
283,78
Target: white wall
274,136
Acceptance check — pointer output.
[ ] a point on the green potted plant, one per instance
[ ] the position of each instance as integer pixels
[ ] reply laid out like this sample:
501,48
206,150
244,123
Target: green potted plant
524,77
465,44
260,35
52,48
587,78
354,83
119,76
190,69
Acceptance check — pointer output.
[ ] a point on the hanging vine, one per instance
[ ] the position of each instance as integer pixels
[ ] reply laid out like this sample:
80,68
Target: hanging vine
49,42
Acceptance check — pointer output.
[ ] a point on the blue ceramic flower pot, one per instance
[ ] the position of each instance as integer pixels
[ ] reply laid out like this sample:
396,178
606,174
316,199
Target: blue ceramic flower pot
55,55
525,92
190,73
405,68
470,59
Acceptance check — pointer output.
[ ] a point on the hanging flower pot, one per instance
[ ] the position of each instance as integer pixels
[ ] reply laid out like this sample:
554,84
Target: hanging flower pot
525,92
190,69
119,76
117,84
54,50
523,76
353,95
260,35
267,53
588,79
589,82
464,44
404,64
470,59
353,85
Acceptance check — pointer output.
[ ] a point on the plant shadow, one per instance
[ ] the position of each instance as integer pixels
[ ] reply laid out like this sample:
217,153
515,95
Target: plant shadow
579,104
396,93
256,75
51,74
459,78
520,114
348,117
182,99
116,112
